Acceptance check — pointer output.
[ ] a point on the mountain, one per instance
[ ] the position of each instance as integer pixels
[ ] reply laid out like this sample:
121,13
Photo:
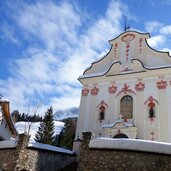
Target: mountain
67,113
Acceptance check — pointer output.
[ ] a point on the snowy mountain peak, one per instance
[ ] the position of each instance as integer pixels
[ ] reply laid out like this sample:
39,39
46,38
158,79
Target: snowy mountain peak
67,113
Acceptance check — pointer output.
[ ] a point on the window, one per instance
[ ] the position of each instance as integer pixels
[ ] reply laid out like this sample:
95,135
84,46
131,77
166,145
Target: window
102,113
126,107
151,106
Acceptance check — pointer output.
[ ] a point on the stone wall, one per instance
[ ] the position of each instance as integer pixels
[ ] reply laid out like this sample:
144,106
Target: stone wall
120,160
33,159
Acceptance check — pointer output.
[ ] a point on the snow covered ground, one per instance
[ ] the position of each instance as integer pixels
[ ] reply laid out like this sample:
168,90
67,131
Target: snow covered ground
32,127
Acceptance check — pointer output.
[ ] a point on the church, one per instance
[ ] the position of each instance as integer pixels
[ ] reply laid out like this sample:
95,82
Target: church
127,93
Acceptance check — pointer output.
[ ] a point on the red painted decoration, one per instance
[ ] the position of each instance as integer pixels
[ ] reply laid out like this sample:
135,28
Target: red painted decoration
127,39
115,50
151,104
85,92
140,45
151,99
102,103
161,84
94,91
125,90
126,69
125,120
102,108
112,89
140,86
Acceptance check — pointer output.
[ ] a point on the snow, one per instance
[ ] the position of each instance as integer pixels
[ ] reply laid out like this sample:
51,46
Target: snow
131,144
23,127
49,147
4,100
11,143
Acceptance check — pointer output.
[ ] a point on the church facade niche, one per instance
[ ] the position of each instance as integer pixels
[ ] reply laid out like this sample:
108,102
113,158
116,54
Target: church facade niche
102,106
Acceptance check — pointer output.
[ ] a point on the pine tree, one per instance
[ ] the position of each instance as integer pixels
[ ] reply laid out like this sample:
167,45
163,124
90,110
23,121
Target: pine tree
46,129
67,135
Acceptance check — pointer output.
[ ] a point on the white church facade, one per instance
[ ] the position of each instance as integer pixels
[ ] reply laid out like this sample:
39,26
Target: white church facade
127,93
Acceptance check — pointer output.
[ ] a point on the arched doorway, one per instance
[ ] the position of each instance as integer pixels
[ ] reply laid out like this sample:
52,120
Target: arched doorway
120,136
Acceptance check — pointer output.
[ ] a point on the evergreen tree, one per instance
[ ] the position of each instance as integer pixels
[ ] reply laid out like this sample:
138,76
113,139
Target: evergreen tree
67,135
46,129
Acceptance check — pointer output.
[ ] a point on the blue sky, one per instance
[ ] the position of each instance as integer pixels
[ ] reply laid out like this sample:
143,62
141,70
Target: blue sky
46,45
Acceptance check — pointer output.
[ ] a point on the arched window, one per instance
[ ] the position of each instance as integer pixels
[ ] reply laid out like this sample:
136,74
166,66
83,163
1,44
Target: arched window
126,107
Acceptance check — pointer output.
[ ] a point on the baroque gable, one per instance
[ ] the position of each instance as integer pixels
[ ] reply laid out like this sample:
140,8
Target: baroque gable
129,53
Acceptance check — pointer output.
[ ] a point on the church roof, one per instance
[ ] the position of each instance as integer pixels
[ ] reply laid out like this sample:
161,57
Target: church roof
129,53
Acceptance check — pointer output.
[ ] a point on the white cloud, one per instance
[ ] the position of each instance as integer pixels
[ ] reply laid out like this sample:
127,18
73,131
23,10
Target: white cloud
8,33
153,26
156,41
55,25
166,50
166,30
49,72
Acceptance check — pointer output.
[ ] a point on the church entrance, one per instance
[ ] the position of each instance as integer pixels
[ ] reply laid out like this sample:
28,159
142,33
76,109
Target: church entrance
120,136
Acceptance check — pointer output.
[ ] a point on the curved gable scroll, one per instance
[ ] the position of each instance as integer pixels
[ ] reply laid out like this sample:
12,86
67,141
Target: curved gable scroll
137,65
114,69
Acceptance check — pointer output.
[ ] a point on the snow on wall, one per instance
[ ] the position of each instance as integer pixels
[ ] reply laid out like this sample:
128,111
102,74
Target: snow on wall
11,143
131,144
48,147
